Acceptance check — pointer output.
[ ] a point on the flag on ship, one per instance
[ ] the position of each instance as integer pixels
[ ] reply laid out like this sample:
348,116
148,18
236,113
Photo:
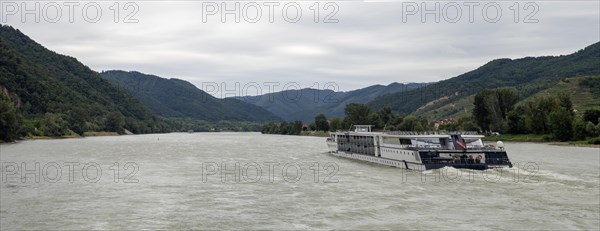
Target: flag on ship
459,142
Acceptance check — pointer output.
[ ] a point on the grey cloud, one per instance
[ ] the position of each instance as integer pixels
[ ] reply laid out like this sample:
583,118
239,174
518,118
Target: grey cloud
370,44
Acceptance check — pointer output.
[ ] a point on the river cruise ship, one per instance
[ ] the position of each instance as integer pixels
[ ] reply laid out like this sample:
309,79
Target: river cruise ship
418,150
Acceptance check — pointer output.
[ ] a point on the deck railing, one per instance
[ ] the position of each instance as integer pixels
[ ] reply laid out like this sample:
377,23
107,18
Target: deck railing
432,133
438,147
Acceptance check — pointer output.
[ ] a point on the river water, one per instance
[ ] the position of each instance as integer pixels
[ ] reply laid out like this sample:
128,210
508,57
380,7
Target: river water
255,181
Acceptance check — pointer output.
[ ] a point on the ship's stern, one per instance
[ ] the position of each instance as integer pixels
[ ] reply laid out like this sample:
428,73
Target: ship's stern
469,159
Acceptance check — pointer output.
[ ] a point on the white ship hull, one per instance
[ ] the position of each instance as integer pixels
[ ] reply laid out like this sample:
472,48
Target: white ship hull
332,146
383,161
417,151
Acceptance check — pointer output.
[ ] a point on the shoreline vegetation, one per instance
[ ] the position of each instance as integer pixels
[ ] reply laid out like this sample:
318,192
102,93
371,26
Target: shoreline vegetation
528,138
104,133
46,95
548,119
73,135
534,138
522,138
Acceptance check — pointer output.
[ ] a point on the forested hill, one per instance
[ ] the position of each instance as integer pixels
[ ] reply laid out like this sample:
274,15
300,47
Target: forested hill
306,103
529,75
56,94
175,98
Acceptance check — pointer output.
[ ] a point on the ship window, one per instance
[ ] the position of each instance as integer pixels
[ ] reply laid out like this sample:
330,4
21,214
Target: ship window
390,140
405,141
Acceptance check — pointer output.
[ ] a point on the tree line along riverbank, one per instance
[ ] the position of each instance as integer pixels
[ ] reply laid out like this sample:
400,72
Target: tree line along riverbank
546,118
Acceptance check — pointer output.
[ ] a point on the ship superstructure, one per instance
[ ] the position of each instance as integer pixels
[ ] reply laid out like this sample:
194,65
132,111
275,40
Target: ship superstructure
418,150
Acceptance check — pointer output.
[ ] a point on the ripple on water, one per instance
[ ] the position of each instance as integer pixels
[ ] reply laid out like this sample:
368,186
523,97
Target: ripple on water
562,193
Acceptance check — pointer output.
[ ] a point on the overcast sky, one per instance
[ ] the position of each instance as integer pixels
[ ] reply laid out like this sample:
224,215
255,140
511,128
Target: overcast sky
371,43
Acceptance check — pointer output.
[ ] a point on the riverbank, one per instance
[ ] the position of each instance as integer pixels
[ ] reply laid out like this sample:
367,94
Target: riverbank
532,138
580,143
69,136
518,138
101,134
315,133
542,139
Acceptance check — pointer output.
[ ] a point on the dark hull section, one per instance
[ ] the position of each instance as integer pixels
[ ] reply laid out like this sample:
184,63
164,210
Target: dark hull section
421,166
418,151
466,166
469,159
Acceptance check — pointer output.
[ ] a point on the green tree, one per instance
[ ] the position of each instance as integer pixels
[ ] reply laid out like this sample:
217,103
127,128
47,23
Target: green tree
492,108
561,124
358,114
55,124
375,120
506,98
284,128
396,121
335,124
449,127
537,112
516,121
391,128
77,120
485,109
480,112
346,124
579,132
386,115
469,125
296,128
321,123
424,124
115,122
409,123
9,118
271,128
564,101
418,127
591,129
592,115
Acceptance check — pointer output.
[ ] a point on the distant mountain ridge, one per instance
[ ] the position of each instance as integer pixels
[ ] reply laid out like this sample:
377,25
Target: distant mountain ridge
529,75
176,98
306,103
56,93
